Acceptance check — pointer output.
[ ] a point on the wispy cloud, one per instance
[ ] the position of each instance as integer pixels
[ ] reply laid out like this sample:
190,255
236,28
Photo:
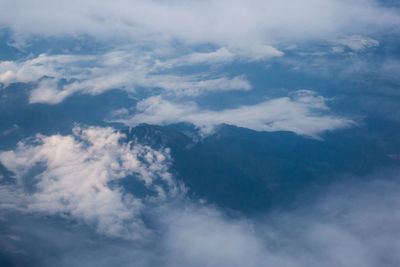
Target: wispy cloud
303,113
357,43
114,70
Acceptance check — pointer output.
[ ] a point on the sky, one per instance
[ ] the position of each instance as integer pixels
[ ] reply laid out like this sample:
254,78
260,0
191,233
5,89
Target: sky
199,133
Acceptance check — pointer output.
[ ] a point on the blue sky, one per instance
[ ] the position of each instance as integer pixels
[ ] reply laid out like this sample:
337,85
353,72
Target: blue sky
199,133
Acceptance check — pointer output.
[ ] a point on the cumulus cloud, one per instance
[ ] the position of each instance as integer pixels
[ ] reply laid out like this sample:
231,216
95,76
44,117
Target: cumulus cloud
114,70
302,113
75,175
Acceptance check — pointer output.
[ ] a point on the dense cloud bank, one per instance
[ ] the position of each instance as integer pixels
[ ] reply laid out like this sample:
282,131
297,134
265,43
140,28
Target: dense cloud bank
247,26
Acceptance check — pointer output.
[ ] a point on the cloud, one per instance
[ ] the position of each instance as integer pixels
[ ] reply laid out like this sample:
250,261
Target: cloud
143,52
203,236
244,25
350,224
113,70
357,43
221,56
76,175
354,223
10,130
301,113
184,34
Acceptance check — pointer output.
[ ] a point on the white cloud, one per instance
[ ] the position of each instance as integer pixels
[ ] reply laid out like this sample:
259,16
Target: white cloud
43,65
348,225
222,56
114,70
76,180
204,236
301,113
357,43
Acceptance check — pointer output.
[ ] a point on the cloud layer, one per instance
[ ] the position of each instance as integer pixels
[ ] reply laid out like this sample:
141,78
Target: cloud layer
351,224
243,25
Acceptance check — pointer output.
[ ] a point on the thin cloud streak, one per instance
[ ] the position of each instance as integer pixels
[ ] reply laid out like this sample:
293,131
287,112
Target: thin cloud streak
302,113
114,70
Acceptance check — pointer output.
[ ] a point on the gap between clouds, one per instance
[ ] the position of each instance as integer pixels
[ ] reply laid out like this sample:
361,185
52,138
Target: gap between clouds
303,113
